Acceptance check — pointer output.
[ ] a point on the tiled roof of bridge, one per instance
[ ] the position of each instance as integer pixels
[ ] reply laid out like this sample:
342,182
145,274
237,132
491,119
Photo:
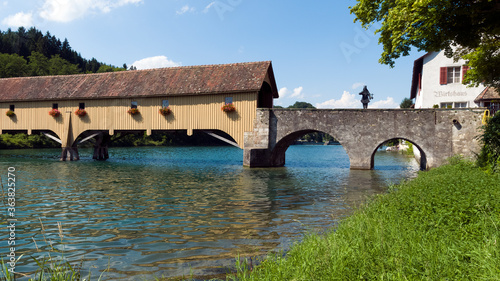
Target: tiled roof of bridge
187,80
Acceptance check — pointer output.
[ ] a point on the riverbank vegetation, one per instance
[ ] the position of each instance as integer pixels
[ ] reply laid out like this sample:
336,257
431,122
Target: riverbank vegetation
489,157
26,141
443,225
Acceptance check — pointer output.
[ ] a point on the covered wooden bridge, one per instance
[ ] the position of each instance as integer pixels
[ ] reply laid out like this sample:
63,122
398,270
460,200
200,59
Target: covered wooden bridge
73,108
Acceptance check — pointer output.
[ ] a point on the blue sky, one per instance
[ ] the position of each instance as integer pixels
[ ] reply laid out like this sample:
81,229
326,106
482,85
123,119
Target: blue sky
319,55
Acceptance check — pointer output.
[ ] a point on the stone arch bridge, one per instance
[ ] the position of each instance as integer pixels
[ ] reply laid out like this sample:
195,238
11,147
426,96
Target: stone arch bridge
438,134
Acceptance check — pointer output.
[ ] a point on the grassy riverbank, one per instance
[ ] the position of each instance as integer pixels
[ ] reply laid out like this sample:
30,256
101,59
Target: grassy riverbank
443,225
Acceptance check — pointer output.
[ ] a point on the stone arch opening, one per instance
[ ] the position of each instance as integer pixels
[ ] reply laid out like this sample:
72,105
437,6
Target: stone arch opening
419,153
278,154
265,98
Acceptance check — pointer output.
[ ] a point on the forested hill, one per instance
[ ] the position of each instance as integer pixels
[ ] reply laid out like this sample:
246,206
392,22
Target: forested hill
30,53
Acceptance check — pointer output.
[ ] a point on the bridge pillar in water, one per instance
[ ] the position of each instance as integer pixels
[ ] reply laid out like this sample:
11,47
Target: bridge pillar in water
259,144
361,163
101,147
69,149
69,153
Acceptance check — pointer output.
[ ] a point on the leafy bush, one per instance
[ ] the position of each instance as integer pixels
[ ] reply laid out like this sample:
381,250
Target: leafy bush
489,157
26,141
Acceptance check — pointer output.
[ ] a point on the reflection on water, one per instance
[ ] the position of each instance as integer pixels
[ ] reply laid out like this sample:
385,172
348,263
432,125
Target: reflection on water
176,210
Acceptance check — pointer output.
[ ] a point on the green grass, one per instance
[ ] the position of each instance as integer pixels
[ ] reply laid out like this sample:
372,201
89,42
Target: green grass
443,225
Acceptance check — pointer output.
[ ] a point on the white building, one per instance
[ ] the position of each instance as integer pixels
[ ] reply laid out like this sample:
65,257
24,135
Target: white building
437,80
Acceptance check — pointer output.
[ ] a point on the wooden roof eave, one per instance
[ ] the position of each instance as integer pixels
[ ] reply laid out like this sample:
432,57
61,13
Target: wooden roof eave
133,97
272,81
418,65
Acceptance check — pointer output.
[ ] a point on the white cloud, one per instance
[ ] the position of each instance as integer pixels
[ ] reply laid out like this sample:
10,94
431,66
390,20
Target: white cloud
155,62
283,92
19,19
69,10
347,100
207,8
185,9
297,93
387,103
357,85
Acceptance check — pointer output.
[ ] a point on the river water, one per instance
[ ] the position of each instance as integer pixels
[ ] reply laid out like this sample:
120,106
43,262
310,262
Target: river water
176,211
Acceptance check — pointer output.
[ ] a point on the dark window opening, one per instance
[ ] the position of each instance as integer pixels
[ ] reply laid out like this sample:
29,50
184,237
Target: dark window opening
133,104
11,107
55,106
81,105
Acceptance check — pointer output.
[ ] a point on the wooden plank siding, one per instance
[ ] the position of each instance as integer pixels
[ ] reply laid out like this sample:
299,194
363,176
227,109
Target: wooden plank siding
200,112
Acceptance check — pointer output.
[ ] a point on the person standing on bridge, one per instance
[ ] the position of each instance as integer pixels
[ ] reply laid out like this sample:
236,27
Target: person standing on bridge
366,97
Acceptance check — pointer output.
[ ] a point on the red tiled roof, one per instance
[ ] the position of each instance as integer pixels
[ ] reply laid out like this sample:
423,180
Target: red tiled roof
489,93
188,80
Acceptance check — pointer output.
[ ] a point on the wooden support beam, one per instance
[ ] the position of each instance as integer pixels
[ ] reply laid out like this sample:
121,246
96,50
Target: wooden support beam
89,137
52,137
222,139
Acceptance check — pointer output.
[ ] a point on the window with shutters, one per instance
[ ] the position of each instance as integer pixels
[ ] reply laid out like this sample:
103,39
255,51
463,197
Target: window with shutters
465,68
453,75
449,75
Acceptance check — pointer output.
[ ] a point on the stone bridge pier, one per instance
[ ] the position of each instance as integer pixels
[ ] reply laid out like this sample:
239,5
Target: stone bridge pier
437,133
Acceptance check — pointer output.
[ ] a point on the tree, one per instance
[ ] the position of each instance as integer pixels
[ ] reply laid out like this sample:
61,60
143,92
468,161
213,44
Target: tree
406,103
39,64
467,29
105,68
301,104
59,66
13,66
